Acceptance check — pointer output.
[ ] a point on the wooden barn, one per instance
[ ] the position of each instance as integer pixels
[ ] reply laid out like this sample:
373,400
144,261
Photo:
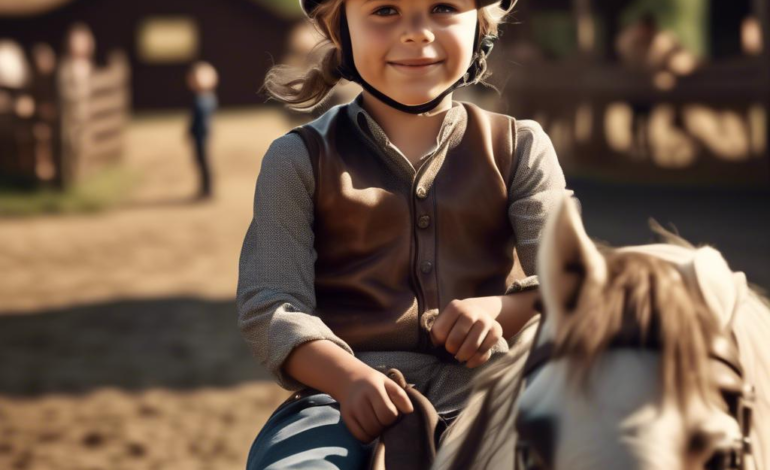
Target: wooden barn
161,39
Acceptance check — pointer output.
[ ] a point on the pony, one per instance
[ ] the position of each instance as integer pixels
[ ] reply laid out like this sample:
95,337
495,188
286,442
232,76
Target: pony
632,365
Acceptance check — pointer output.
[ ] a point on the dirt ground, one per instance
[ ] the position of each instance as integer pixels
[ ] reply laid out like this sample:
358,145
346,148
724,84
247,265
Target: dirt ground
110,429
117,331
159,243
118,339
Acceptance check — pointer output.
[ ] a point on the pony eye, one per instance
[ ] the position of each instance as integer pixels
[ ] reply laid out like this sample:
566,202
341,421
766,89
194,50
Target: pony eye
527,458
698,442
537,437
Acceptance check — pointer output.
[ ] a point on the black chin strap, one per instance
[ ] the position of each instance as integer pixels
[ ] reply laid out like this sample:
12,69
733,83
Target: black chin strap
348,71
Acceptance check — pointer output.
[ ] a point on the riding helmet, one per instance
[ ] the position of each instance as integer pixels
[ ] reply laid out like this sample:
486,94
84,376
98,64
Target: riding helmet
482,47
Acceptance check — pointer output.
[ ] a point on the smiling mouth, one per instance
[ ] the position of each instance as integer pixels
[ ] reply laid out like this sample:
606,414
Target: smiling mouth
416,66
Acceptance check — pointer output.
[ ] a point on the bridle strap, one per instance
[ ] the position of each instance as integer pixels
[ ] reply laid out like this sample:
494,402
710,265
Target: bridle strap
721,351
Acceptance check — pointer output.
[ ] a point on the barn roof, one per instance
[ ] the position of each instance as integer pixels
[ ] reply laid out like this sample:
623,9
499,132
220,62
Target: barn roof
21,8
29,7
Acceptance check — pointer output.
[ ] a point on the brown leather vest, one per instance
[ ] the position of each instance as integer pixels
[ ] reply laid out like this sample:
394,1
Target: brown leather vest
389,250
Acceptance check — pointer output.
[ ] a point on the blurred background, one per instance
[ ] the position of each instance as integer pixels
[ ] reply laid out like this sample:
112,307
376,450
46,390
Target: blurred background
131,136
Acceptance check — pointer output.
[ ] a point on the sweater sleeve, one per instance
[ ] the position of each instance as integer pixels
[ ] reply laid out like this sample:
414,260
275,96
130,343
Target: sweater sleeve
276,292
538,187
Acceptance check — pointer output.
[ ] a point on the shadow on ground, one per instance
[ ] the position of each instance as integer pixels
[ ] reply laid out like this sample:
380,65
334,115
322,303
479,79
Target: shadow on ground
176,343
185,343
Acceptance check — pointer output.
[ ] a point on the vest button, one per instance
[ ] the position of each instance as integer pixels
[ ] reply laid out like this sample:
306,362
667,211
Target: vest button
423,221
422,193
426,267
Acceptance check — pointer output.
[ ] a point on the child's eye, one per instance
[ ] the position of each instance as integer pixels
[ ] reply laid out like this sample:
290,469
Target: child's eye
389,11
385,9
446,8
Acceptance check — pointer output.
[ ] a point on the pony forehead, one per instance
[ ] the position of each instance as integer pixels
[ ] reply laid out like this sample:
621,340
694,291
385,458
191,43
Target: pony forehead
674,254
695,264
707,270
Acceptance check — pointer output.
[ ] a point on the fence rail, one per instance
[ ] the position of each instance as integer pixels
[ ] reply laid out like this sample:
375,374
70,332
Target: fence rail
94,126
718,118
75,128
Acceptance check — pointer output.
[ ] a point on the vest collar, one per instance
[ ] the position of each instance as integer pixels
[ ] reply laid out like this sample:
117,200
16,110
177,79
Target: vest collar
370,130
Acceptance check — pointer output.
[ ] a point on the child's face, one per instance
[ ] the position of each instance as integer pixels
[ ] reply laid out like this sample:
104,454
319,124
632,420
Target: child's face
387,34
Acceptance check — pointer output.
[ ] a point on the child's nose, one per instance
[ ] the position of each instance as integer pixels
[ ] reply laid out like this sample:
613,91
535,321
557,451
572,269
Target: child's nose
425,36
417,30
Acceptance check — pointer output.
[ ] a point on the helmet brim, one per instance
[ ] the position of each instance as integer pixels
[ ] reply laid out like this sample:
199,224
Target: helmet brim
308,6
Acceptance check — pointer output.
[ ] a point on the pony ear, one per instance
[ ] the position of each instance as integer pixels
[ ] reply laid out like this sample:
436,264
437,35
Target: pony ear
567,260
716,283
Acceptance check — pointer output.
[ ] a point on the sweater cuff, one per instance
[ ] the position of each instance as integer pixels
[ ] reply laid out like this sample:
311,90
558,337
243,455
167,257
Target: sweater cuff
523,285
294,334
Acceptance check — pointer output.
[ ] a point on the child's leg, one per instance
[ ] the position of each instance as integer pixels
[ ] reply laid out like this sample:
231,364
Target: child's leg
308,433
204,171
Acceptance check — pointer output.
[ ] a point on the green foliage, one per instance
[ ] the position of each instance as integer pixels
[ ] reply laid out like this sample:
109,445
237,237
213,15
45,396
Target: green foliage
98,193
286,8
555,32
688,19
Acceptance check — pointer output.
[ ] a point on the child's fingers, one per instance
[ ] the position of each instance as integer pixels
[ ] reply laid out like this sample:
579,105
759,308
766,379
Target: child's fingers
369,421
493,336
478,359
399,397
485,350
356,429
444,323
458,334
384,408
472,342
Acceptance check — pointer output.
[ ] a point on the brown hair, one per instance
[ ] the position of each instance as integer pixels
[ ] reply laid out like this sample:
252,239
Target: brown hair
304,88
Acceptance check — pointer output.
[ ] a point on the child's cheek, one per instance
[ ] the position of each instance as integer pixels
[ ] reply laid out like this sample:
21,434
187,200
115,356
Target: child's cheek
377,44
367,36
371,56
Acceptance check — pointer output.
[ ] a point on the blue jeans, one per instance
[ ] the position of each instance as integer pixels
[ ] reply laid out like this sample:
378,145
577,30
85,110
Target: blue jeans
308,433
202,160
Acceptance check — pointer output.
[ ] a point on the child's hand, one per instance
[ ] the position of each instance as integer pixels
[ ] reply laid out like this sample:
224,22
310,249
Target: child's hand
468,330
370,402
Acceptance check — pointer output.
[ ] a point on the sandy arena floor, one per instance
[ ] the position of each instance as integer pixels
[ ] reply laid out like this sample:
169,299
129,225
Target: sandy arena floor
118,339
118,329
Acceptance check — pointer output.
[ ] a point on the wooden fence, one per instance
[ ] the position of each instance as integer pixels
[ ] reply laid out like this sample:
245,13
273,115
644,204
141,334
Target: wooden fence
70,130
93,124
712,126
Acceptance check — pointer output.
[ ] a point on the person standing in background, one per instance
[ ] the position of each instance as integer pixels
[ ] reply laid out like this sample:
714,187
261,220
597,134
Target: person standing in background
645,47
74,76
202,79
16,109
46,127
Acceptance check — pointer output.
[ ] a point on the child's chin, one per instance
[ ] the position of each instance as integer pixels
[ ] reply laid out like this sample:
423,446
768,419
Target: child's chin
414,99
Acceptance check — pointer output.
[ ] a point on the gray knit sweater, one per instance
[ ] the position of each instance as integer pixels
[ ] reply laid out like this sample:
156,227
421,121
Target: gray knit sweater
276,295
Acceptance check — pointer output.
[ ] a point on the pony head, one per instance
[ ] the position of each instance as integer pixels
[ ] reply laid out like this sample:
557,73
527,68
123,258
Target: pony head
629,384
619,372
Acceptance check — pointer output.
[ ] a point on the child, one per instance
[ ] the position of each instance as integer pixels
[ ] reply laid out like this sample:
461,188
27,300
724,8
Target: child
398,203
202,79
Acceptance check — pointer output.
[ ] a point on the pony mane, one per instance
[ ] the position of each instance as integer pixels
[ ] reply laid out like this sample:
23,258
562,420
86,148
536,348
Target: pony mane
647,296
